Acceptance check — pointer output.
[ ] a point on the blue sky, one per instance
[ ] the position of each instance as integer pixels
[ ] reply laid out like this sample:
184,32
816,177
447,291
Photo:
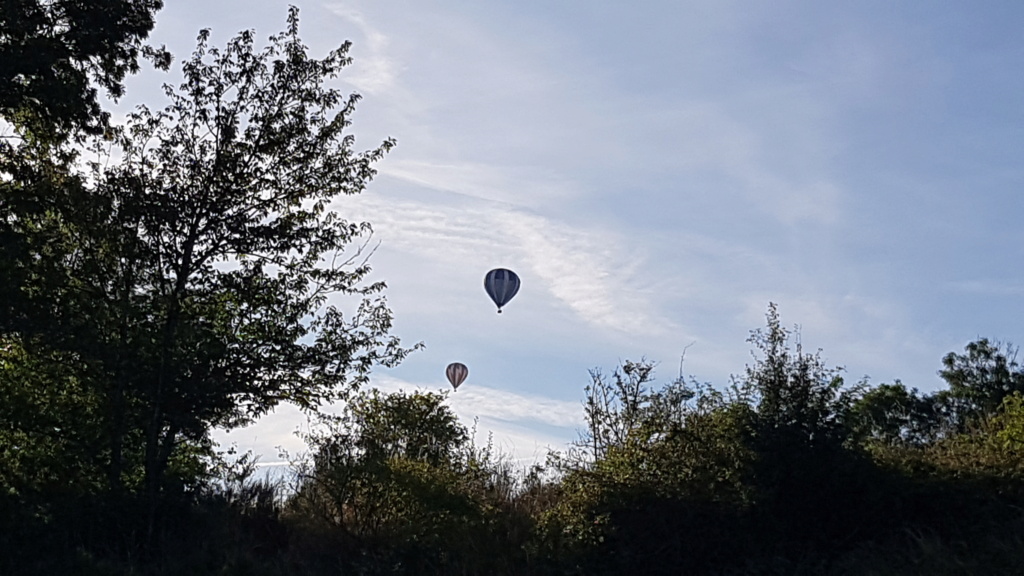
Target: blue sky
657,172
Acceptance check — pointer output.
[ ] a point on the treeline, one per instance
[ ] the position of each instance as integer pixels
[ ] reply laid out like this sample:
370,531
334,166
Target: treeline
186,271
786,471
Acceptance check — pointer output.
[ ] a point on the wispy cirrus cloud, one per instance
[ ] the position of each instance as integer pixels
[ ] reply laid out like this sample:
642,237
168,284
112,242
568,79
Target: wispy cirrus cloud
593,272
522,187
375,71
989,287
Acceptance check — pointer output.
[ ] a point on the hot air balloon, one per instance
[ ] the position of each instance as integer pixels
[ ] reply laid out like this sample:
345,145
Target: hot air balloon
501,286
456,373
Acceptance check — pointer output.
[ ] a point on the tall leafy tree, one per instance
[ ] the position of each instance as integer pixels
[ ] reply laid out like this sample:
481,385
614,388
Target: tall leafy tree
198,269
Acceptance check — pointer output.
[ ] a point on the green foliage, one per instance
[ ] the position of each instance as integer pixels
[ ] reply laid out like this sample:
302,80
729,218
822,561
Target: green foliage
48,439
805,476
798,398
397,480
989,451
378,467
787,472
1010,421
890,414
978,382
769,474
618,411
51,53
193,276
654,469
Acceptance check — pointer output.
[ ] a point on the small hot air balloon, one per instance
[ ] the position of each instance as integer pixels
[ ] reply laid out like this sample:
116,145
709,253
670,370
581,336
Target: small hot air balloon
456,373
501,286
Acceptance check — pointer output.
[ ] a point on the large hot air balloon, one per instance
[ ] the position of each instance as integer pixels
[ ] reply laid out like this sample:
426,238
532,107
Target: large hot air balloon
501,286
456,373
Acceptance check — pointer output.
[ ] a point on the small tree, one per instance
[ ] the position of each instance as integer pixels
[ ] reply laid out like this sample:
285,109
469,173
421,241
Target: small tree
397,479
891,414
978,381
626,406
795,393
387,464
805,476
656,480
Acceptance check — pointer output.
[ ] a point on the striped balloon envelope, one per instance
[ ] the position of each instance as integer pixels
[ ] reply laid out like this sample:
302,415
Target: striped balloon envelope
501,285
456,373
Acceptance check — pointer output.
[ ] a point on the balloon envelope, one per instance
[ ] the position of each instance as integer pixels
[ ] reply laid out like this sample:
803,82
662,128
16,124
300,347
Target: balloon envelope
501,286
456,373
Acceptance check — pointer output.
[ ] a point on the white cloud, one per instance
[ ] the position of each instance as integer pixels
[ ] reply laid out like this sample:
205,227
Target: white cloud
517,187
593,272
374,71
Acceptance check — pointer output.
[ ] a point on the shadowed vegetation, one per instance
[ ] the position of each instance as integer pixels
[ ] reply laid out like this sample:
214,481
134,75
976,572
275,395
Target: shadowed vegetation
187,271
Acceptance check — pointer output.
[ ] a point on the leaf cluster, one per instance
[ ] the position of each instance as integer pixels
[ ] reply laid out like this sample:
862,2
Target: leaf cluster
55,55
